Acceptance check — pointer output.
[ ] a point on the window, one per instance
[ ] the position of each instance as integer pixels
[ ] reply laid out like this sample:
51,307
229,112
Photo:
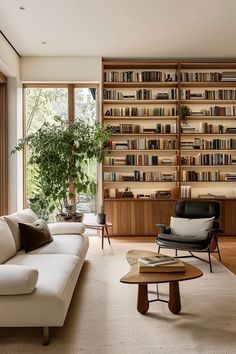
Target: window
3,146
41,105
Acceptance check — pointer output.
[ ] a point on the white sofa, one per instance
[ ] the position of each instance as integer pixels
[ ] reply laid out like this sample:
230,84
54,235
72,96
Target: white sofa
36,287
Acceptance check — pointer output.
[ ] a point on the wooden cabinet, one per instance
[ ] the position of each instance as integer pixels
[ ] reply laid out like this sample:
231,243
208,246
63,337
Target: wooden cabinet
132,217
138,217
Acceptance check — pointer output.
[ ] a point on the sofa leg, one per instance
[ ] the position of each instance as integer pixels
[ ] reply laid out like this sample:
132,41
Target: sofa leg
46,336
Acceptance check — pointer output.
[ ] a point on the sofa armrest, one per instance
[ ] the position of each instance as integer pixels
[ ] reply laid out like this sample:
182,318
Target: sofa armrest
64,228
17,279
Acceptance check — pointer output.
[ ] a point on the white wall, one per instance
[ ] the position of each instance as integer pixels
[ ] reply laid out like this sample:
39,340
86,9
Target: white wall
60,69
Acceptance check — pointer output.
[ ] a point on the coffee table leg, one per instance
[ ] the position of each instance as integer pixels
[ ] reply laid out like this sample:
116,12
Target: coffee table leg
174,297
142,303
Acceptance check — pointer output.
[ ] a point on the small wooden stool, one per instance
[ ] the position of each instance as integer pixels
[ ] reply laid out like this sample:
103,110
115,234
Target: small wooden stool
101,227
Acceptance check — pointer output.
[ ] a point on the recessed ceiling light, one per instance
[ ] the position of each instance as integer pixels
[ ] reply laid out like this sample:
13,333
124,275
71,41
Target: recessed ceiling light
22,7
44,42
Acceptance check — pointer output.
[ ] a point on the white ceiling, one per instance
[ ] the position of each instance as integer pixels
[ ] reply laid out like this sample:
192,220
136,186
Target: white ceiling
121,28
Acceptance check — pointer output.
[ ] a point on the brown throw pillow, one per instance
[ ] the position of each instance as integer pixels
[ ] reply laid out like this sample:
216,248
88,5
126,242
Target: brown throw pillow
34,235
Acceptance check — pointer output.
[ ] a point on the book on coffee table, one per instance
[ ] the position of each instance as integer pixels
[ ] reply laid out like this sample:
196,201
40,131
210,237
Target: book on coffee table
157,260
173,267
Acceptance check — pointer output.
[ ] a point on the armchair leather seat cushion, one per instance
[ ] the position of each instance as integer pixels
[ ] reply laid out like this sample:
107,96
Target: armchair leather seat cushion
183,242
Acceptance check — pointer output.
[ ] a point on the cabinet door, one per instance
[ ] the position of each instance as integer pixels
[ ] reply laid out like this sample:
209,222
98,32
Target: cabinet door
138,218
228,217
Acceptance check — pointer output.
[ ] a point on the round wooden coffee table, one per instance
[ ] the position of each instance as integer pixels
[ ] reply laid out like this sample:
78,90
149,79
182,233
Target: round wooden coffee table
143,279
101,227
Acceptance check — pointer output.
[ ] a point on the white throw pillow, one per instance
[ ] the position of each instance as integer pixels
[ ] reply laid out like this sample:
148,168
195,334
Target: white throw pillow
25,216
7,244
17,279
190,227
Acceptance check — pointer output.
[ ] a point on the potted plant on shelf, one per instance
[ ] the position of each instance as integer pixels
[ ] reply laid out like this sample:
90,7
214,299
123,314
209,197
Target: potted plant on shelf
101,216
183,112
59,153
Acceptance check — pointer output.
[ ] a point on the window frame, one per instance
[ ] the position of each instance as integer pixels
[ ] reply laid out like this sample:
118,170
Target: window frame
3,146
71,115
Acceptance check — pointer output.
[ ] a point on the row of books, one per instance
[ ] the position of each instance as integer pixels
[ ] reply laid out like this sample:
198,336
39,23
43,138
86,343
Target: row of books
208,128
140,129
214,144
160,76
200,76
140,112
140,160
140,176
208,159
141,94
216,111
139,76
208,95
202,176
143,144
208,176
185,191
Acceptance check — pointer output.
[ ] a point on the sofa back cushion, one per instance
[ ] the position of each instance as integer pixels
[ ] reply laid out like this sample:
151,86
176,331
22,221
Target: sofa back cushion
27,216
7,244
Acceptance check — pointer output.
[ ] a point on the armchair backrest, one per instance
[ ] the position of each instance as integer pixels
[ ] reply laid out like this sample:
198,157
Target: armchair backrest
195,209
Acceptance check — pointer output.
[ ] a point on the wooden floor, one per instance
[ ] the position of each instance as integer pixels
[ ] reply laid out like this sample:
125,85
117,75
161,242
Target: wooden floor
227,248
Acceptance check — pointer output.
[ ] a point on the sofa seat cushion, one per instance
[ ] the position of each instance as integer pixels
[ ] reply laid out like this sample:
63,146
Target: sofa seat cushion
17,279
12,220
7,244
64,244
63,228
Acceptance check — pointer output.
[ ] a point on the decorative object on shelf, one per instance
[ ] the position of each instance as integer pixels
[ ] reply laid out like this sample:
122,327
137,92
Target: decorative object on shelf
163,194
59,152
128,193
101,216
183,112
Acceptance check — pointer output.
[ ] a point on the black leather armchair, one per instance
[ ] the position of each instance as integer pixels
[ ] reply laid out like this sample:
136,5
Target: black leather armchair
193,209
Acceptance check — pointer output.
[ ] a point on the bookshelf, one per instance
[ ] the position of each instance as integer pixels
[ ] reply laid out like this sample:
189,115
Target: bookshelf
152,151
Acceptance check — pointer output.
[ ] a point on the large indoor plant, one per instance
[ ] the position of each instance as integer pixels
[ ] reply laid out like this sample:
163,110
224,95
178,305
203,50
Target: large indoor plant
59,153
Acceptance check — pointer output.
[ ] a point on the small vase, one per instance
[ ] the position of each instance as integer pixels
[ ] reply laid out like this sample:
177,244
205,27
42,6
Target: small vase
101,218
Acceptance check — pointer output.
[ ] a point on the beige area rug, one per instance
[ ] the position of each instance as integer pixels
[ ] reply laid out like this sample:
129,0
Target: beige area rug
103,319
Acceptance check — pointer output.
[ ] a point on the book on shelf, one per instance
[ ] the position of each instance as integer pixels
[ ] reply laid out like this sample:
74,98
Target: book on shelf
210,196
161,264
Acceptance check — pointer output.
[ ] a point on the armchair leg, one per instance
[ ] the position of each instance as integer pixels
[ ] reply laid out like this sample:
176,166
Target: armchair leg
158,250
218,250
176,253
46,336
209,258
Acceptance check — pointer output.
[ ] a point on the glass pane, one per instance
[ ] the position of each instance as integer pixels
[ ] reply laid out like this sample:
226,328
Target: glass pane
85,109
41,105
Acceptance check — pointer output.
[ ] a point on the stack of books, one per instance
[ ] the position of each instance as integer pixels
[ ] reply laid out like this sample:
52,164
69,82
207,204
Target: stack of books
160,264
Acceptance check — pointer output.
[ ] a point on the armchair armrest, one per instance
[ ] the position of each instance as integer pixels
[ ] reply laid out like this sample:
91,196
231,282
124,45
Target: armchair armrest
63,228
165,229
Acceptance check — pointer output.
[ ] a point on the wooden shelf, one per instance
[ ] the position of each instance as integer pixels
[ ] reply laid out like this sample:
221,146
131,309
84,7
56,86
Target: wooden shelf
207,101
140,118
141,102
159,210
140,84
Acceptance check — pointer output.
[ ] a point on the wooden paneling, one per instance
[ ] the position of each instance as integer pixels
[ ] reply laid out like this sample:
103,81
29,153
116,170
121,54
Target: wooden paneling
137,217
3,149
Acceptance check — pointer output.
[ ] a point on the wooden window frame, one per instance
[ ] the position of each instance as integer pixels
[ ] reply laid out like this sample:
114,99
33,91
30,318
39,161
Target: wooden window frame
3,146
